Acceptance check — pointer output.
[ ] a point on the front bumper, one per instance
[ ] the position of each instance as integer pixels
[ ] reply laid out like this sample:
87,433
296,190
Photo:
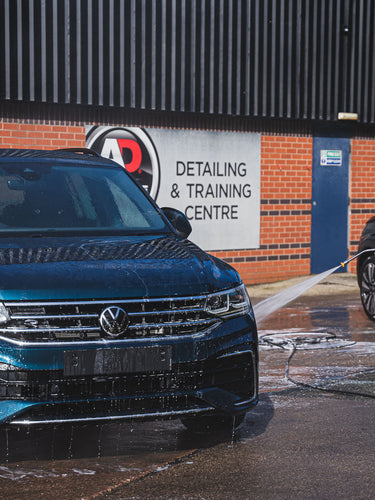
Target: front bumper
217,372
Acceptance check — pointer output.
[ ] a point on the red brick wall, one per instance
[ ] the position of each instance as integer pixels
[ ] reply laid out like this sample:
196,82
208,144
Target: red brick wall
40,136
362,190
285,223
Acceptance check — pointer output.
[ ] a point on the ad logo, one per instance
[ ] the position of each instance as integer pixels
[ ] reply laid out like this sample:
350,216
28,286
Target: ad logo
130,147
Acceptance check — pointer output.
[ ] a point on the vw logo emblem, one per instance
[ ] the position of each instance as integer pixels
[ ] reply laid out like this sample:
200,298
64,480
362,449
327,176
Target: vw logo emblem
114,321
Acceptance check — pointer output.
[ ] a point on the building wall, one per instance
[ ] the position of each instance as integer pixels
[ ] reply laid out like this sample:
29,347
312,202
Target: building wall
362,190
286,183
40,136
285,222
294,59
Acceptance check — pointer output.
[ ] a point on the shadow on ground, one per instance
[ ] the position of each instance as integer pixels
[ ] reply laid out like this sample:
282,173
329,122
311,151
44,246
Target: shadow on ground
106,440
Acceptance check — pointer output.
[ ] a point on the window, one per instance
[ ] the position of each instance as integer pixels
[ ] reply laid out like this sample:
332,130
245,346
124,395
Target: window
70,197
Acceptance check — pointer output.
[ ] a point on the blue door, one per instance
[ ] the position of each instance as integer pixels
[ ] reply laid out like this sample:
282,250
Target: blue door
330,200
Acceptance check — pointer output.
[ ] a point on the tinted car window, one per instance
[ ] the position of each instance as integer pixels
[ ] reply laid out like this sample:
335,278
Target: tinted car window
66,197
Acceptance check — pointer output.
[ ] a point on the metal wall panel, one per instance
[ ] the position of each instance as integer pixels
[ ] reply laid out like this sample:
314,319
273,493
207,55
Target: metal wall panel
294,59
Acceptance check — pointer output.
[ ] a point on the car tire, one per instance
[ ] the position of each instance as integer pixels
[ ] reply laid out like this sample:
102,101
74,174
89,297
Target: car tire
213,423
367,286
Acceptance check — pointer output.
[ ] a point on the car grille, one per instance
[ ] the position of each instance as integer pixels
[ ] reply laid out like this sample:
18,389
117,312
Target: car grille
79,320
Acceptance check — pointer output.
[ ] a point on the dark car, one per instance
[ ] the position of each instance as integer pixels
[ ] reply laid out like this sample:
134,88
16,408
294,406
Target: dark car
107,311
366,268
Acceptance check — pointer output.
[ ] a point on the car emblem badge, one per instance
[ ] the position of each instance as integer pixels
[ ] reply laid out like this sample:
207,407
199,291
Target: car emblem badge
114,321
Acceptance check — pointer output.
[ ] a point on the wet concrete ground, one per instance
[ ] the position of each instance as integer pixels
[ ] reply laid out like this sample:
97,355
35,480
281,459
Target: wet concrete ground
298,442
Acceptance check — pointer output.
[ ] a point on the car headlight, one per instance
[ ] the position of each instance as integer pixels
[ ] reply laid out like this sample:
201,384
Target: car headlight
229,303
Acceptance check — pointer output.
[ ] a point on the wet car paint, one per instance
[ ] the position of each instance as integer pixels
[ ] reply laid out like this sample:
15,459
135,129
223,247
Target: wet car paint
74,268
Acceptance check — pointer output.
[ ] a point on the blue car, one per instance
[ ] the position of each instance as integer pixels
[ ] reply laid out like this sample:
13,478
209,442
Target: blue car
107,311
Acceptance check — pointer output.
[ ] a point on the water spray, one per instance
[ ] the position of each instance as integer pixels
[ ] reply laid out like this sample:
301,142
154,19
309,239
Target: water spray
293,342
272,304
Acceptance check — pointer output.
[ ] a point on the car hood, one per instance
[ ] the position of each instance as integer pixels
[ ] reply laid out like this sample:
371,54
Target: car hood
119,267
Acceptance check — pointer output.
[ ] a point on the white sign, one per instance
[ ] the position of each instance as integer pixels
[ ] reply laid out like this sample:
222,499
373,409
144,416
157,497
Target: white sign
330,158
213,177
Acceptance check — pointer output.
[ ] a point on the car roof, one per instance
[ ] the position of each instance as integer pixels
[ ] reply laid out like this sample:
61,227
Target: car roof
82,155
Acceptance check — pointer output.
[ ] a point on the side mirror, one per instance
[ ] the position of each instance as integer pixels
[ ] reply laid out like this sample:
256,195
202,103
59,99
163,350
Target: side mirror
178,221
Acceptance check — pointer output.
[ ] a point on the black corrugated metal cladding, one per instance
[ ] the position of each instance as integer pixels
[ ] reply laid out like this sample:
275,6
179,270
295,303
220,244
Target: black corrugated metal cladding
298,59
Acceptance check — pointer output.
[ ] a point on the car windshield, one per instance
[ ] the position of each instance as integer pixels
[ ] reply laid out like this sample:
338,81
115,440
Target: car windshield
70,198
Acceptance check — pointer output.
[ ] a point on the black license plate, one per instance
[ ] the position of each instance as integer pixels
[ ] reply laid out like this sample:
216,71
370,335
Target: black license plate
118,360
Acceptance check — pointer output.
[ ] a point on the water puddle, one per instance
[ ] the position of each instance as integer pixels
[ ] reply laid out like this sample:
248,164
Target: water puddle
323,341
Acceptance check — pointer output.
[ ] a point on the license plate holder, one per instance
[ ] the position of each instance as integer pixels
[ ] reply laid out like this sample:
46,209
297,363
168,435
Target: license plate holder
117,360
